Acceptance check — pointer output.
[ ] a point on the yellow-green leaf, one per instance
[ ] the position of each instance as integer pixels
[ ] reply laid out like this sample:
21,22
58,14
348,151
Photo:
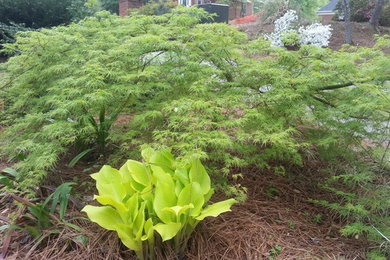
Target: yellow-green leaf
148,229
109,200
198,174
106,217
138,172
192,194
164,194
167,231
216,209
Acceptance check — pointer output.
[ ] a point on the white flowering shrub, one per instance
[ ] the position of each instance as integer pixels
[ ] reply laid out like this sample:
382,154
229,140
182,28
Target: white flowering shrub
282,25
314,34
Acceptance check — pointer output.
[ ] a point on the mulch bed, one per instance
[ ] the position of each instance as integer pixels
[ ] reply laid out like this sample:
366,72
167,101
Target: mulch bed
250,231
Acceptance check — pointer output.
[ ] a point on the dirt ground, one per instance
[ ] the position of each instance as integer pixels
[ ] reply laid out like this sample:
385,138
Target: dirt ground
362,33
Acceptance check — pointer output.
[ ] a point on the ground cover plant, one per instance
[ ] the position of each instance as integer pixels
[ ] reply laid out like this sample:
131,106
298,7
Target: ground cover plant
202,89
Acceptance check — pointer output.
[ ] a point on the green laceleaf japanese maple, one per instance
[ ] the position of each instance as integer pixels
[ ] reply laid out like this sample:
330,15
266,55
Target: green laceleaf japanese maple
158,194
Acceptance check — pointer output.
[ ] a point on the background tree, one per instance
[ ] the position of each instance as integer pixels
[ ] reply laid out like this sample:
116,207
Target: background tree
376,14
35,14
21,15
110,5
347,17
362,10
48,13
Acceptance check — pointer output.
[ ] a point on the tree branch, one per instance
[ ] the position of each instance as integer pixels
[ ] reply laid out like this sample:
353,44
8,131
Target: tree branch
343,85
337,86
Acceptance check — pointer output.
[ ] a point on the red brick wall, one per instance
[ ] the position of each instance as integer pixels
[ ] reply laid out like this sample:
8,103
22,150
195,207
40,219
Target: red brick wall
125,5
327,18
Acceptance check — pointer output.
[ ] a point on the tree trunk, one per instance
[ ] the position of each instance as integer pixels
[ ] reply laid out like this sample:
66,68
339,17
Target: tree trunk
347,17
376,14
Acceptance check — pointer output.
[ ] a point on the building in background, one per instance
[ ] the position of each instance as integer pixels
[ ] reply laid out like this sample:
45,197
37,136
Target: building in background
327,12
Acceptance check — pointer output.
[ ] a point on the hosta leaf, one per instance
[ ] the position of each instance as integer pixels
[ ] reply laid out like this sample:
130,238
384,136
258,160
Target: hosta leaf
132,207
106,217
198,174
138,172
178,210
147,153
208,195
167,231
136,186
148,197
114,189
109,182
216,209
128,239
178,187
127,180
148,229
163,159
109,200
139,222
182,175
192,194
164,194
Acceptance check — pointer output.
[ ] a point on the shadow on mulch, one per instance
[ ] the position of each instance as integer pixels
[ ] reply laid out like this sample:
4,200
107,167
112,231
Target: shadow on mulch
282,219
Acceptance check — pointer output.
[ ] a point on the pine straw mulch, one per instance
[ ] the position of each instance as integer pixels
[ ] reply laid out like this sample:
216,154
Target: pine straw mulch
250,231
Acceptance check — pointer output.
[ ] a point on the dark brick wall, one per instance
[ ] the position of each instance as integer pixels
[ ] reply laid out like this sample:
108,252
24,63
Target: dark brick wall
125,5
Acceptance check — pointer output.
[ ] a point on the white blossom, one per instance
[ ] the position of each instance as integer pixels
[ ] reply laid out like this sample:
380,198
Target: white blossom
283,24
314,34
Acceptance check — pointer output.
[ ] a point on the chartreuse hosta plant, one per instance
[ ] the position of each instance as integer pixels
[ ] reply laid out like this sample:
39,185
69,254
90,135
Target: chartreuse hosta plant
158,194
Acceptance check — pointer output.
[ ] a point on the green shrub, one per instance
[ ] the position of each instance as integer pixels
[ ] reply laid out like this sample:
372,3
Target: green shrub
158,194
188,86
291,38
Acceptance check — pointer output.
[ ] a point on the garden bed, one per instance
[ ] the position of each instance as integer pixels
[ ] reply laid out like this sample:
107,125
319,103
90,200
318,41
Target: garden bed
277,220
